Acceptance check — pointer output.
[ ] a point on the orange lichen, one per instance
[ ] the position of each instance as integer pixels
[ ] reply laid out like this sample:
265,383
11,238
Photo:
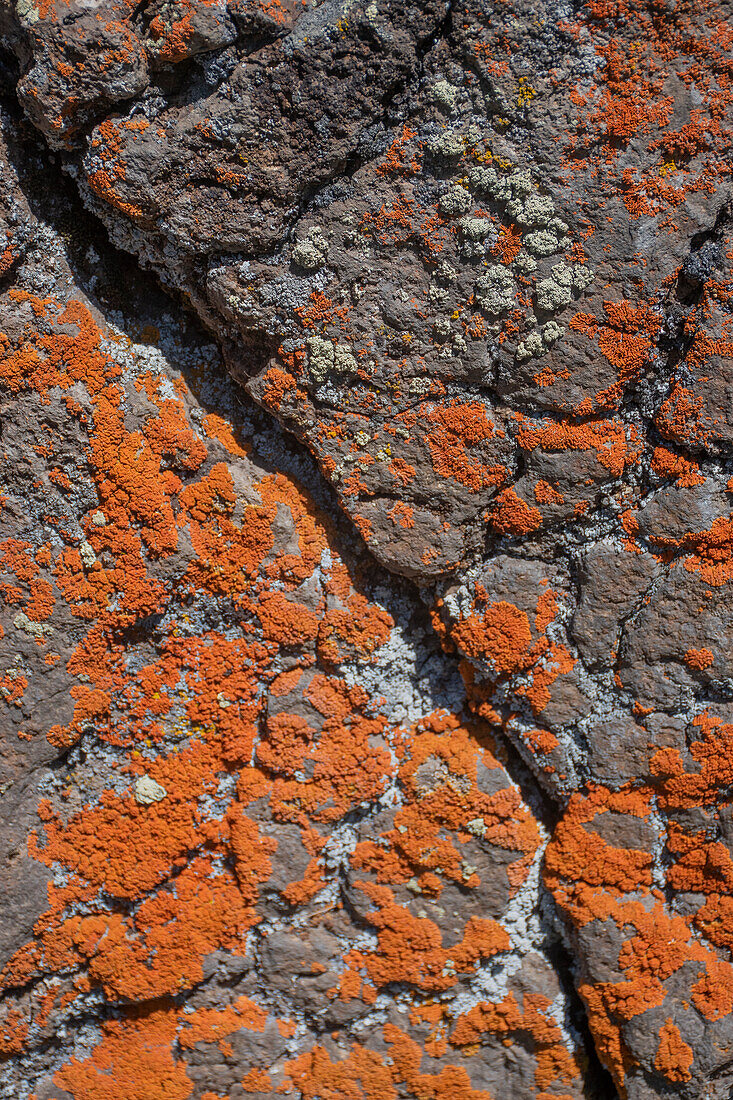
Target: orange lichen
501,635
453,429
132,1061
713,994
682,419
395,162
359,626
402,515
532,1024
625,341
674,1056
367,1075
699,659
578,862
667,464
106,146
511,515
616,447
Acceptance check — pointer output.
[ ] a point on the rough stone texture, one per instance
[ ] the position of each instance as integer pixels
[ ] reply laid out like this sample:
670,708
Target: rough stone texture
252,844
477,258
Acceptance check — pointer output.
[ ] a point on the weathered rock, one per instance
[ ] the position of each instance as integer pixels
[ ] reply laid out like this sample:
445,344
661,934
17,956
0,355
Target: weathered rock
477,258
251,842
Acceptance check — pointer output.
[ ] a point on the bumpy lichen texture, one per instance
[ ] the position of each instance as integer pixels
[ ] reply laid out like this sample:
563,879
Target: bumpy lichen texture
478,257
254,850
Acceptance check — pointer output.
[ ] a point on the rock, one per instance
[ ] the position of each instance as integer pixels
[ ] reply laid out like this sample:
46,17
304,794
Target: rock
213,707
147,791
476,260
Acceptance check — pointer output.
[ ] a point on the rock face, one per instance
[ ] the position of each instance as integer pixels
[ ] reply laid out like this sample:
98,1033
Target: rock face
384,773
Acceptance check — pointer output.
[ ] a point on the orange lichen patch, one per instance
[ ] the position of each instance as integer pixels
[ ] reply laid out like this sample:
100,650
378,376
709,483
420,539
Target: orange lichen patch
279,384
439,775
286,682
401,471
395,162
625,342
499,637
532,1025
14,1027
604,1025
402,515
216,427
708,553
629,101
615,445
593,880
255,1080
311,527
661,946
666,463
169,434
130,483
155,856
541,742
9,255
48,355
12,687
105,845
359,626
362,1075
713,994
171,40
90,705
713,918
681,418
367,1075
213,1025
544,493
547,609
398,224
712,552
285,621
698,783
705,866
508,245
451,1083
500,634
106,147
173,931
132,1062
323,774
25,562
674,1056
663,943
410,950
510,515
556,660
453,429
312,882
322,311
586,873
699,659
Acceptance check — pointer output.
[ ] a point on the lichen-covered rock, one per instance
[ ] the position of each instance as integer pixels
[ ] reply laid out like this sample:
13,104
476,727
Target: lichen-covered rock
482,242
477,257
253,844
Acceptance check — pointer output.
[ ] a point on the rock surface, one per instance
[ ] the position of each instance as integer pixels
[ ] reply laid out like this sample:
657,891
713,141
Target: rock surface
384,774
